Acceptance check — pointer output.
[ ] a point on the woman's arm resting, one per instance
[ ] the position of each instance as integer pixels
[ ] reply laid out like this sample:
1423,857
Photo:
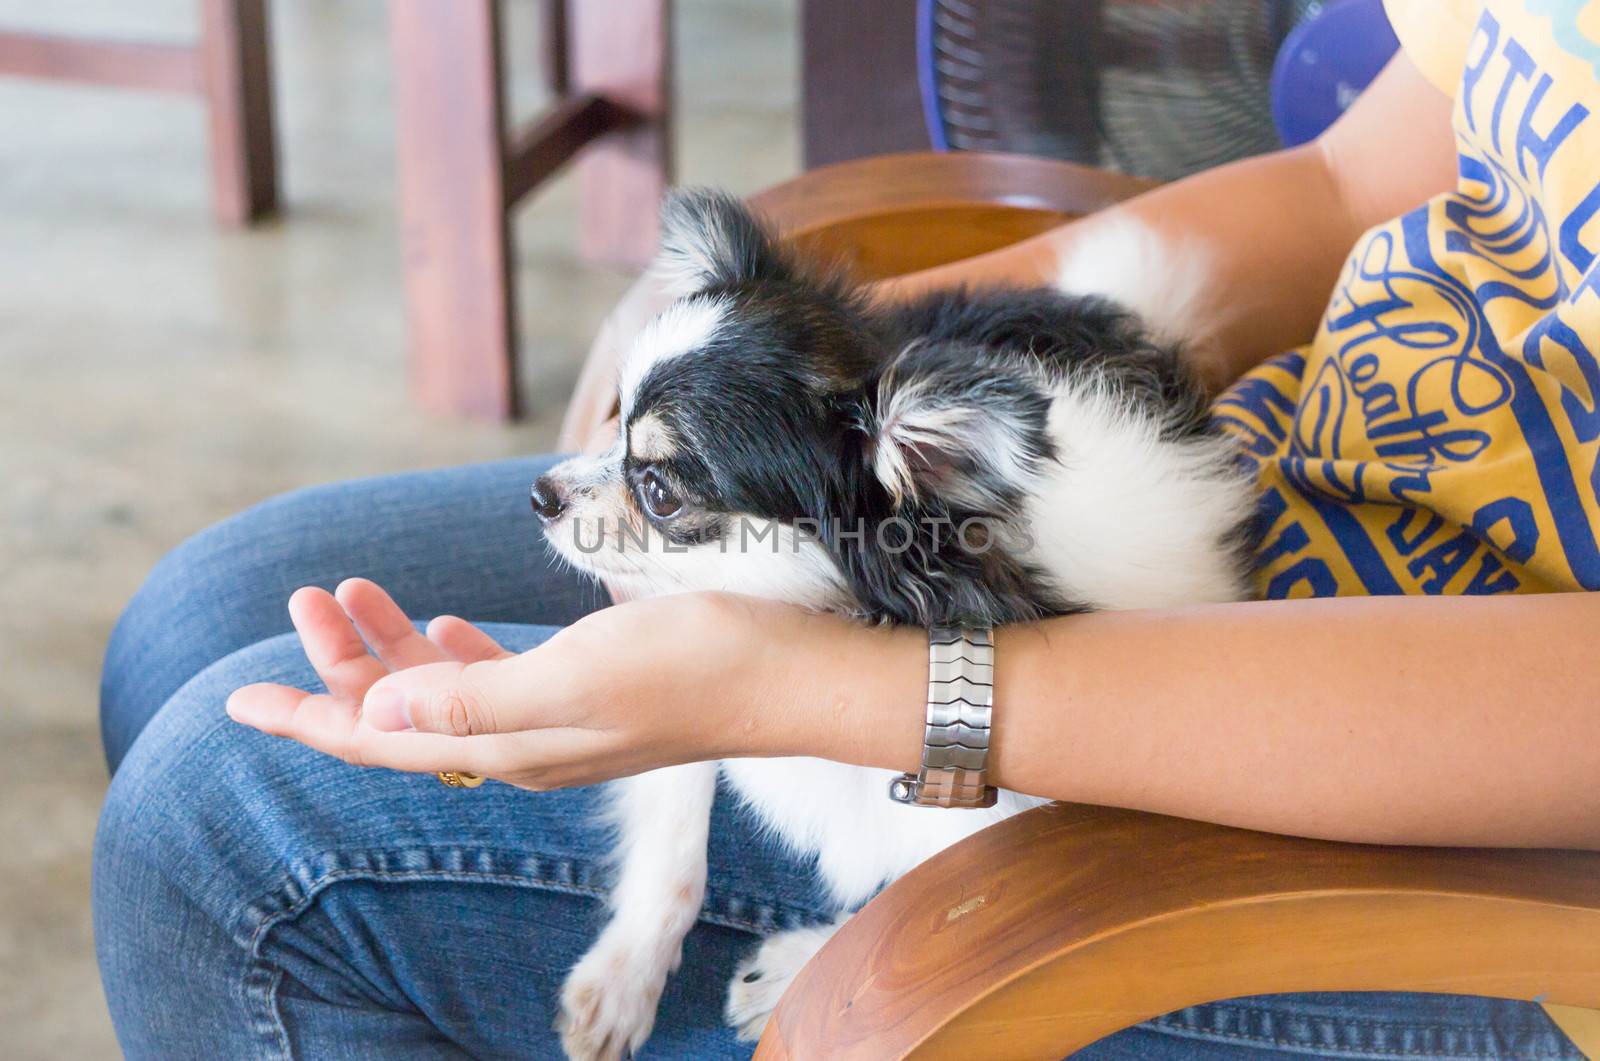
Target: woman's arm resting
1419,720
1275,228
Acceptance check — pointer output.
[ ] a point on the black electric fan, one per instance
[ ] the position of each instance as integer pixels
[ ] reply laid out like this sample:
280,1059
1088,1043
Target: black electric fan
1158,88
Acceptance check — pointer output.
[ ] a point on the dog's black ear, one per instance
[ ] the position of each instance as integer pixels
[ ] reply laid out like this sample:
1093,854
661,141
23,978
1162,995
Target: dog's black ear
709,238
949,426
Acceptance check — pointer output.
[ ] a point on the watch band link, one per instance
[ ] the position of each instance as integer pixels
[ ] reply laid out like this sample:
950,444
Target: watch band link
955,744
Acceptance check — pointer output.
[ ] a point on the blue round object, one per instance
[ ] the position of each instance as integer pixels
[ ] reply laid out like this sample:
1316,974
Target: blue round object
1324,64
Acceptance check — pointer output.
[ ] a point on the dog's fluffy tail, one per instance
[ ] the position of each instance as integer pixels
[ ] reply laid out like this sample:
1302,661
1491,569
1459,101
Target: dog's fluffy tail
1165,281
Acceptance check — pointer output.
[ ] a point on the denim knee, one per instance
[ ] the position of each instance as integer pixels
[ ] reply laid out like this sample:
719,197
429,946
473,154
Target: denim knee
174,872
215,840
211,835
222,589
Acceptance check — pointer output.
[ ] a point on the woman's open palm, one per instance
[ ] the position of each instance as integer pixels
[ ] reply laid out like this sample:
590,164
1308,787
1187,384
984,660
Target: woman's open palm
353,637
617,693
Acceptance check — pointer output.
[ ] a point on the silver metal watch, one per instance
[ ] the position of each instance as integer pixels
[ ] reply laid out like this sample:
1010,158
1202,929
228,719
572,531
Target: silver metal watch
955,742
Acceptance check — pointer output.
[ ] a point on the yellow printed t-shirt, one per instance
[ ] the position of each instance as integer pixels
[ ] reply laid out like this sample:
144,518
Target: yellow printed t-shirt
1440,433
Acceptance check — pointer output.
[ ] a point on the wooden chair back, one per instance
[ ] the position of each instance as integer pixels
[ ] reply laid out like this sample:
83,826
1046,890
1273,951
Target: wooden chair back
897,214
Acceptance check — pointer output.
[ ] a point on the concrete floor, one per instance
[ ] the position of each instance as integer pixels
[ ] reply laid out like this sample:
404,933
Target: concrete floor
158,373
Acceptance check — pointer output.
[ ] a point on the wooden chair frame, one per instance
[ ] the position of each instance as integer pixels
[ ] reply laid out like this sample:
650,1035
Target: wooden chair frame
1057,927
228,67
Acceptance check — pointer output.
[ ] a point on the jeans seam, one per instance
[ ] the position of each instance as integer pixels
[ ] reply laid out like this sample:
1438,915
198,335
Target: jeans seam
265,997
260,989
1246,1007
271,1002
320,884
1159,1026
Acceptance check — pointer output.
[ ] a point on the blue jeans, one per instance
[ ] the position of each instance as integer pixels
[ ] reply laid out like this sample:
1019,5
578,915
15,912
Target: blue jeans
255,899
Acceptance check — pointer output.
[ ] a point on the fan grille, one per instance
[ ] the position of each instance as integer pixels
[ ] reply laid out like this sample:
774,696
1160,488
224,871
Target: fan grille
1160,88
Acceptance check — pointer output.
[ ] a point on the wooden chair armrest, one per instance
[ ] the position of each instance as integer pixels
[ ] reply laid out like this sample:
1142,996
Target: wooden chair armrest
894,214
1057,927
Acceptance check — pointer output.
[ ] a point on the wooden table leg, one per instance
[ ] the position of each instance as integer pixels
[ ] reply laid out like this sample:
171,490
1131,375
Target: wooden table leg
621,50
236,81
454,232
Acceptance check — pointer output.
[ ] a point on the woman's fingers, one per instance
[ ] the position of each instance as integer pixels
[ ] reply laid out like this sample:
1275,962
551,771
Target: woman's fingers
395,639
334,727
500,695
432,683
324,722
461,640
332,644
385,627
438,698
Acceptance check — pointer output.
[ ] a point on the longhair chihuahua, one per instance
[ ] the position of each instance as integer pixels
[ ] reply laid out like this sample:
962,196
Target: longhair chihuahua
969,458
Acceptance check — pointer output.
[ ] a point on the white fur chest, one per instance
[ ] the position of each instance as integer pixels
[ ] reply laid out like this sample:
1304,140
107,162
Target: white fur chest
843,814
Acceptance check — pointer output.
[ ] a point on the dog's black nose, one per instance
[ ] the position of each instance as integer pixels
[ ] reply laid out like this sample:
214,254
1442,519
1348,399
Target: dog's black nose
548,503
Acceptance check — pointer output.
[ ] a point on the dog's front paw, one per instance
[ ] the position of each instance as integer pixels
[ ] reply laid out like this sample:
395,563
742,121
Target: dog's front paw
608,1004
761,979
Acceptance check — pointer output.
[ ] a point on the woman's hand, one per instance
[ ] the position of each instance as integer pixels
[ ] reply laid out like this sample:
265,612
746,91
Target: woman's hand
627,689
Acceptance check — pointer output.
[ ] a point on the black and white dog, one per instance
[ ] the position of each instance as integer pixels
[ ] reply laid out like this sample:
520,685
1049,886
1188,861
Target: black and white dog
1036,452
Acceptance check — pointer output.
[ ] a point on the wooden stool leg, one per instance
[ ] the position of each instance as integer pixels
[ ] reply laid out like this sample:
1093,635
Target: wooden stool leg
456,241
236,77
621,50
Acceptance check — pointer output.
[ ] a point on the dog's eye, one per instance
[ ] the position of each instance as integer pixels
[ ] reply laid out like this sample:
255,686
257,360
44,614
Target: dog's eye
656,497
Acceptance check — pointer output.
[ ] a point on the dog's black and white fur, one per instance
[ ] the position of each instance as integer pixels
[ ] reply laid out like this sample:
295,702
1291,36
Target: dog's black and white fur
1037,452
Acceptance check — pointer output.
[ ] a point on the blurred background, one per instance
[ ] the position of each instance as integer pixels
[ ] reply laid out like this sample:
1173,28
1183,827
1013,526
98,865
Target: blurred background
162,371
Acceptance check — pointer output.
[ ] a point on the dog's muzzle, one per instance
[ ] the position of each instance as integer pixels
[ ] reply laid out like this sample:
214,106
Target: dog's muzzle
548,501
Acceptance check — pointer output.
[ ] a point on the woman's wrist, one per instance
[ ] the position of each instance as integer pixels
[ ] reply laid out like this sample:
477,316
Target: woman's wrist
813,684
876,692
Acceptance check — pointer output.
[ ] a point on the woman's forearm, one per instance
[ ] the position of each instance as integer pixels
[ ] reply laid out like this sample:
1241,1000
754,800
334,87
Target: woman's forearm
1389,719
1269,290
1273,230
1472,721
